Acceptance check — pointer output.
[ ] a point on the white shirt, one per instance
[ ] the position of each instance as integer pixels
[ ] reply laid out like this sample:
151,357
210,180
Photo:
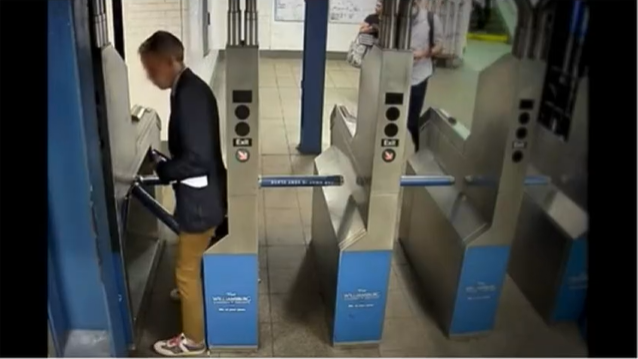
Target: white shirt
420,40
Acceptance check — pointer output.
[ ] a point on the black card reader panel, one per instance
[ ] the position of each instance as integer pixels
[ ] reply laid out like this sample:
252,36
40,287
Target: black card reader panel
242,96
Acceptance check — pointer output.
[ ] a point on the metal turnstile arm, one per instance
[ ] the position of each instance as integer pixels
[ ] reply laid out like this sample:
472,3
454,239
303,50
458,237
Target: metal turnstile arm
154,207
426,181
150,181
489,181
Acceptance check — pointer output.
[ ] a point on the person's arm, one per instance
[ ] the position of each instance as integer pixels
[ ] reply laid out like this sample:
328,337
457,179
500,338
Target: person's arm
367,24
365,27
438,37
194,131
438,42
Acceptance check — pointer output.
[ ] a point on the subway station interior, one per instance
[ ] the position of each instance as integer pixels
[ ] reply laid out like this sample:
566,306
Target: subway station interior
343,241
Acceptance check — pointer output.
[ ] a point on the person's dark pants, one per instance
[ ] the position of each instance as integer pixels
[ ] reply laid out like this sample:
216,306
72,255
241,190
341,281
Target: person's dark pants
417,98
220,232
484,14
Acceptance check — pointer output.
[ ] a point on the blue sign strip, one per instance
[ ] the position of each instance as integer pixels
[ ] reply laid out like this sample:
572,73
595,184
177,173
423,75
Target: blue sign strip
362,287
570,301
479,289
231,300
300,181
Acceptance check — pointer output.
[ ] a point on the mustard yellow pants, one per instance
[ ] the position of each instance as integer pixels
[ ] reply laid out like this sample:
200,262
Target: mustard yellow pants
190,250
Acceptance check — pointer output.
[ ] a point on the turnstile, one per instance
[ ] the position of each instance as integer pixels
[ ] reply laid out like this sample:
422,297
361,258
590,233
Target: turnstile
549,253
457,238
231,300
131,134
353,225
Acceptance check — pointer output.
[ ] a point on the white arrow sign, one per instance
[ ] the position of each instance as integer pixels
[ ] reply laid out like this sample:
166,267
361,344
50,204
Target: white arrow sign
242,156
388,156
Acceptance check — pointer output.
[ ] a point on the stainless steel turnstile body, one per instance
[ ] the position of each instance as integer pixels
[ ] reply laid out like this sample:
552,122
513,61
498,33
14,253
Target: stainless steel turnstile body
132,134
549,255
231,265
458,238
353,225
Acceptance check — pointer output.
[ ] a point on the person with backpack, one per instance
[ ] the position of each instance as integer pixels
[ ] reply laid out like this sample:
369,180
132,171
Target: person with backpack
426,43
371,23
366,38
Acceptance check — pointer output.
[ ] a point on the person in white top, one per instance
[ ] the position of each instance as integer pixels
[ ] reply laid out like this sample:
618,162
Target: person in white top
426,43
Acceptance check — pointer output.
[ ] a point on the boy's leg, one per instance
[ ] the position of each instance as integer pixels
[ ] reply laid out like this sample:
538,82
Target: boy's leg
190,249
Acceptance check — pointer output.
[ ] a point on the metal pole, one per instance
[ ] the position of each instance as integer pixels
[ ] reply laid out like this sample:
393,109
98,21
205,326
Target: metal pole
404,25
536,181
250,23
300,181
426,181
314,72
118,27
154,207
524,26
150,181
387,24
233,33
490,181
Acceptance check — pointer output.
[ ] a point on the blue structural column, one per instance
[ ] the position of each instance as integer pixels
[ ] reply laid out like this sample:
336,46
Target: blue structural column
314,73
83,309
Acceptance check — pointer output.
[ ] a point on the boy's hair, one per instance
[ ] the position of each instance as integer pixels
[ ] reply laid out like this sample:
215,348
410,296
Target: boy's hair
163,43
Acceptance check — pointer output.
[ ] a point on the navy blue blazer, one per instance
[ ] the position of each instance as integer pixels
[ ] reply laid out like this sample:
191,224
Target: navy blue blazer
194,143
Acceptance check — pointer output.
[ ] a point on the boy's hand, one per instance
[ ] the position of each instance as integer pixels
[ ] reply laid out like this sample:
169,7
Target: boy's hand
421,54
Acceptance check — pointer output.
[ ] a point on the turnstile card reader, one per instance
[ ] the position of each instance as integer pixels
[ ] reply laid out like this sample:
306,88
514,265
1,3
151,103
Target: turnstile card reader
231,267
353,225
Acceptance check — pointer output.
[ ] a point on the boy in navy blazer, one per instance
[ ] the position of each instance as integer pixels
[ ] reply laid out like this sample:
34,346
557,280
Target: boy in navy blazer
197,173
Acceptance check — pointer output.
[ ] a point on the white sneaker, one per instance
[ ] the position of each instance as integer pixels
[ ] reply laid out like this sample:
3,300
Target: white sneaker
179,346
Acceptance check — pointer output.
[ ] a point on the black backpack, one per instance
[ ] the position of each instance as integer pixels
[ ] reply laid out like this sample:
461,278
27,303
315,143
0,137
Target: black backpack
431,24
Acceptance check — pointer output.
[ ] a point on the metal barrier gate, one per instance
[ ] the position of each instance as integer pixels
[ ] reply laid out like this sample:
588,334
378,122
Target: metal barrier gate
549,253
458,216
458,238
352,237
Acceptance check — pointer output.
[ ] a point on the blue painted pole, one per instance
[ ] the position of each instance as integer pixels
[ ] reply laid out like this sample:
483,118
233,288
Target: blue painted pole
313,77
83,296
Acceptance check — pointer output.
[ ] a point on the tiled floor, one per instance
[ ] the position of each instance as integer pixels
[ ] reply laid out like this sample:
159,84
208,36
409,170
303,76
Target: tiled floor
292,315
